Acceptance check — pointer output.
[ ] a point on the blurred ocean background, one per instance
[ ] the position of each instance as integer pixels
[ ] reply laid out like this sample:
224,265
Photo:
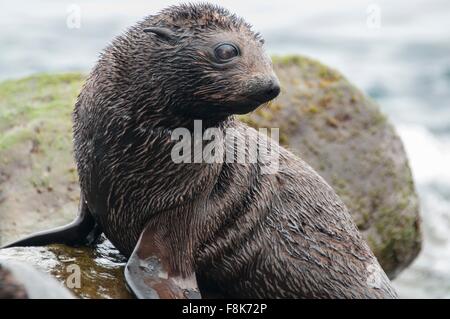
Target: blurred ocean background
396,52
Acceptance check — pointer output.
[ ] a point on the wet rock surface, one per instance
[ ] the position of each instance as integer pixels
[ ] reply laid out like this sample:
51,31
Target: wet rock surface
322,118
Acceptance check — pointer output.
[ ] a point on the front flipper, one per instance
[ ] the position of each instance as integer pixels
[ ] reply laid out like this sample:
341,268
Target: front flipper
149,274
82,231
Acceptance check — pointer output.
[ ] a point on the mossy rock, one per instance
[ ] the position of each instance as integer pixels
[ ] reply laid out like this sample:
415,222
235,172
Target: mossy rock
344,136
321,117
38,179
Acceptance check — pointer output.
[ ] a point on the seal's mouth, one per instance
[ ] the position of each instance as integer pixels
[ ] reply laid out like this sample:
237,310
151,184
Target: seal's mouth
246,106
266,93
256,94
260,92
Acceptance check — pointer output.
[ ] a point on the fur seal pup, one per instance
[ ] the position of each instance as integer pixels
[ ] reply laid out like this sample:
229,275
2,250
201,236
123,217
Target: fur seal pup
220,229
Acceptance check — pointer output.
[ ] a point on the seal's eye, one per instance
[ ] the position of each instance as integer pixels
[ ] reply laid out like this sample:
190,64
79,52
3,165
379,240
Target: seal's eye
225,52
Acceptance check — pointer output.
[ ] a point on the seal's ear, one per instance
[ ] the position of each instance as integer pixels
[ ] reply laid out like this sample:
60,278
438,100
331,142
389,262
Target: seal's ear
164,33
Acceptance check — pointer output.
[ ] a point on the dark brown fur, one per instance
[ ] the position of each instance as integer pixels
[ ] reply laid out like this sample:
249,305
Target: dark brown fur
245,233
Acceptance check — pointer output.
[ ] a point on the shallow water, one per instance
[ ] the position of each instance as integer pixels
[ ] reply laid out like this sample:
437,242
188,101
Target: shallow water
403,63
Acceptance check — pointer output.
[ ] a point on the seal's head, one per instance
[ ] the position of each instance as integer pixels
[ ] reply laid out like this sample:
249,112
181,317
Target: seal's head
200,59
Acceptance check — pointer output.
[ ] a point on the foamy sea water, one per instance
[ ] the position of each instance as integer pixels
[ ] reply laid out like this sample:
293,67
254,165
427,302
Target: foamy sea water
403,62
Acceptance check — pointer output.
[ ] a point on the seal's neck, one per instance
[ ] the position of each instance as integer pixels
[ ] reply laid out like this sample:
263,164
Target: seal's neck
169,121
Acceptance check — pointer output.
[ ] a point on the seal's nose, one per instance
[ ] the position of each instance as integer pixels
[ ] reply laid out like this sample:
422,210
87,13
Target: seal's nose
266,90
273,89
